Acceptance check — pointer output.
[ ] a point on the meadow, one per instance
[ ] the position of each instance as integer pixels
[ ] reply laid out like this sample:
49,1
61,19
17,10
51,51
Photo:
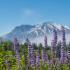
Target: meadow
27,56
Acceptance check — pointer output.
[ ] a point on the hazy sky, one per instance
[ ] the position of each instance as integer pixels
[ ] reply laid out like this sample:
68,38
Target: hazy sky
17,12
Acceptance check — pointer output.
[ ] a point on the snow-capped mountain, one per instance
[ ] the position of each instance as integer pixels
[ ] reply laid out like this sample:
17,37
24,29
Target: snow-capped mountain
32,31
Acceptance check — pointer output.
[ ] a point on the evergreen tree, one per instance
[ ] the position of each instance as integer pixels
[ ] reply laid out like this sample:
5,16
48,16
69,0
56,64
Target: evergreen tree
34,45
27,40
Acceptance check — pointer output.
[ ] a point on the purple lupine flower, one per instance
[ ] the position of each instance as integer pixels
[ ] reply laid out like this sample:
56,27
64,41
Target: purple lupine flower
63,37
62,59
32,51
16,51
57,53
68,54
62,53
43,55
49,69
29,61
33,61
51,61
55,35
29,50
47,62
18,58
63,47
52,47
38,61
53,44
57,66
55,40
8,66
46,57
32,57
29,53
45,42
15,44
58,63
19,65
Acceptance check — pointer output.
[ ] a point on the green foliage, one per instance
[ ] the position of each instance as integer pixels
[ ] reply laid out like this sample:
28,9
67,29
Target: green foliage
10,45
14,67
23,62
25,45
2,61
7,52
43,66
34,45
58,45
12,61
49,56
20,47
63,67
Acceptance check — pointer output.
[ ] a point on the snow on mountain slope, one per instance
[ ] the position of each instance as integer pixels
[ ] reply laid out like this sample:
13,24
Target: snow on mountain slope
32,31
67,27
56,25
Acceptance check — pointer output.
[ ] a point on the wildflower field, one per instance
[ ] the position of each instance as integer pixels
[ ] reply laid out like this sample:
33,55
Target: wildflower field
31,57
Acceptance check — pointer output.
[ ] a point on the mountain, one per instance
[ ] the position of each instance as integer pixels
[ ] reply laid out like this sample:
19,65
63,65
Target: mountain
32,31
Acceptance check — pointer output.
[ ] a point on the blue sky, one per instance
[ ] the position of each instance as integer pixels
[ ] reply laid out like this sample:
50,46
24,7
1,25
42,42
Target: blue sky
17,12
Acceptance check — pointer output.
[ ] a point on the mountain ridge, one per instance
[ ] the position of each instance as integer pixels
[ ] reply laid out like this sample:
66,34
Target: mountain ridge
32,31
